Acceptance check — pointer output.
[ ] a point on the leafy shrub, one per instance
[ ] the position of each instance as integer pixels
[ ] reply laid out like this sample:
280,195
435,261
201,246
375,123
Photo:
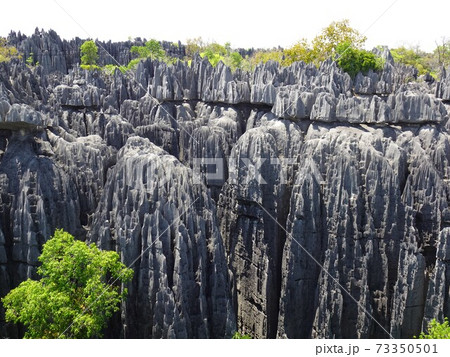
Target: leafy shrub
437,330
78,292
353,60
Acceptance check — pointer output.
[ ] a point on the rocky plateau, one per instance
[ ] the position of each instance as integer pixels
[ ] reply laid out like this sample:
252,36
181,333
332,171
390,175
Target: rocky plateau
290,202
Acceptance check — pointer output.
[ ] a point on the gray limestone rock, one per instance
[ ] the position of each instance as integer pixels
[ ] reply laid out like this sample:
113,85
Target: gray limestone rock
366,84
412,106
324,109
76,96
443,89
163,225
20,116
38,198
251,198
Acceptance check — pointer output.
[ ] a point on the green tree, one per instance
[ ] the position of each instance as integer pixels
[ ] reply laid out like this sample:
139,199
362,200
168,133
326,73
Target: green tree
78,292
437,330
152,49
155,50
89,55
301,51
337,32
235,60
324,45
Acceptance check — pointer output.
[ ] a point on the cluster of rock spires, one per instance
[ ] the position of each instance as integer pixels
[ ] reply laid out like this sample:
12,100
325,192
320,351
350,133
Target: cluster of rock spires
315,169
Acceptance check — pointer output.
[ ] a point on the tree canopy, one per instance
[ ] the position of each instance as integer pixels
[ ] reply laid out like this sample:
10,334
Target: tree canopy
325,44
89,55
79,291
152,50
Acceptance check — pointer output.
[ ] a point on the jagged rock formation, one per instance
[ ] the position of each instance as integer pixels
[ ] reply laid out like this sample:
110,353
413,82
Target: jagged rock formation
180,287
288,202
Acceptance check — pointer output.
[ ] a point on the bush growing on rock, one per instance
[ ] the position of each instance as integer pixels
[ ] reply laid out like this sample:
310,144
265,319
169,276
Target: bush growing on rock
353,60
78,292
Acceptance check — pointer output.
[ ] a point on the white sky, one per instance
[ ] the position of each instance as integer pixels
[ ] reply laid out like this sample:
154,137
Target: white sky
259,24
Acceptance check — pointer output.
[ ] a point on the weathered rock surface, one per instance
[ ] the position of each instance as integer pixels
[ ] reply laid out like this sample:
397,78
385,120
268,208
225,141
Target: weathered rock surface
180,289
287,202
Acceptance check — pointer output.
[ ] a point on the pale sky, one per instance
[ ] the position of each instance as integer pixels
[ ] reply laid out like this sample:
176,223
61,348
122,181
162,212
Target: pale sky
258,24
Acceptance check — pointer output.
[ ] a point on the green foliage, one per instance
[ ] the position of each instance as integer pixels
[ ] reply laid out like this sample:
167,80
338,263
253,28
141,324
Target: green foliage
30,60
249,63
78,292
412,57
193,46
301,51
214,58
265,56
152,50
7,53
442,54
235,60
437,330
240,336
215,53
111,68
133,63
89,55
324,45
89,67
353,60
